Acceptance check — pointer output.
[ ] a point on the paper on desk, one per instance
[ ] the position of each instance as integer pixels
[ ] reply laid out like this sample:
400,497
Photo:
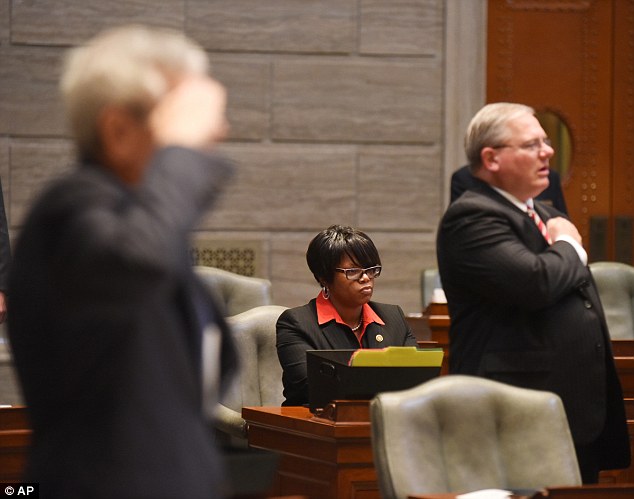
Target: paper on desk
486,494
397,357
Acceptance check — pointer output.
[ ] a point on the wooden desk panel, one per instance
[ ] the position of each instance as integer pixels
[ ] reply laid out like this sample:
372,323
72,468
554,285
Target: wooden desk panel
625,370
451,496
623,348
629,408
436,315
15,438
420,326
619,491
319,457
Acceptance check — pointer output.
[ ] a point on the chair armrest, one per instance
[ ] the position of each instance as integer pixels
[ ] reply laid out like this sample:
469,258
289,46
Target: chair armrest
230,422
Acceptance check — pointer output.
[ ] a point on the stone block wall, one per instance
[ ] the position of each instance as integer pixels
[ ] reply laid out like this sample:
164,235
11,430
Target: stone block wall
337,116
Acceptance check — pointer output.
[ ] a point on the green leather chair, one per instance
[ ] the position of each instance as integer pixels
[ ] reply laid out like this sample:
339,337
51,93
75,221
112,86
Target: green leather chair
259,380
615,283
236,293
461,433
429,281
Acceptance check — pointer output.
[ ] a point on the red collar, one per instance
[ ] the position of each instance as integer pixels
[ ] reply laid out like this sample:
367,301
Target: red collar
326,312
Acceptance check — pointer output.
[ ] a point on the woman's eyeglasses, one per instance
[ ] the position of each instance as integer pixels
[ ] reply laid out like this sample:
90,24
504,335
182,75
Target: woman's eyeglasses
354,274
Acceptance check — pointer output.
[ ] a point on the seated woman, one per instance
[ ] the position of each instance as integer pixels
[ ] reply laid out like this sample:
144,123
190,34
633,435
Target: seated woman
345,263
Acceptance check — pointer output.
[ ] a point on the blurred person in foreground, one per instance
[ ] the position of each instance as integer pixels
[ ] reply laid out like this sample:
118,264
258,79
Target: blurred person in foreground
345,263
524,307
107,316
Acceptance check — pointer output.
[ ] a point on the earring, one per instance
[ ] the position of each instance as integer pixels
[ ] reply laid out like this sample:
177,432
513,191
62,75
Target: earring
324,292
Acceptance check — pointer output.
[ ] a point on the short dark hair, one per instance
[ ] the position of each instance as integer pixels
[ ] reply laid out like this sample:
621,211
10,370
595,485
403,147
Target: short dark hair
328,247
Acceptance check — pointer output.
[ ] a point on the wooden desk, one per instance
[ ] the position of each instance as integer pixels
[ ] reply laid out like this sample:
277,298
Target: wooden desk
321,457
431,328
617,491
15,438
451,496
432,325
625,370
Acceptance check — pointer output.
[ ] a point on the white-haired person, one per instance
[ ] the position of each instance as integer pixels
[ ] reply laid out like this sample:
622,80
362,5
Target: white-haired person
107,316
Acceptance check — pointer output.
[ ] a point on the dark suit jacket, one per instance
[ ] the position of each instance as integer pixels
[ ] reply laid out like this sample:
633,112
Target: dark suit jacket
298,331
462,180
529,314
105,327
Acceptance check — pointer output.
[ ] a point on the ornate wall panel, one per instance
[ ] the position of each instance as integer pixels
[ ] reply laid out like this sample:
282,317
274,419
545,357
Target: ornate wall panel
560,56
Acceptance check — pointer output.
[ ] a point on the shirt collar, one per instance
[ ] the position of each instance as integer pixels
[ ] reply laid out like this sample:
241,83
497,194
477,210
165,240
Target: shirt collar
326,312
521,205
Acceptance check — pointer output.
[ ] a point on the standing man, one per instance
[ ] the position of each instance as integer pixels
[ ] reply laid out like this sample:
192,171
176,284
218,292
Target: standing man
524,308
107,315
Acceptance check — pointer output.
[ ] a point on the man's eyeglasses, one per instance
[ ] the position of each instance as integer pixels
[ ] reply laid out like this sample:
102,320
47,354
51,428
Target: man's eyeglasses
354,274
534,146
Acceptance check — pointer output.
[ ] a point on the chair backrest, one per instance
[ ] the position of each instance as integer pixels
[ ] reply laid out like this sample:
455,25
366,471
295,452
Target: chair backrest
259,379
615,283
461,433
236,293
429,281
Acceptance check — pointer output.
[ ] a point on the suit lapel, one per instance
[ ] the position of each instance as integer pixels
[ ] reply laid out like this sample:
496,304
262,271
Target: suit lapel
335,336
375,336
532,231
529,232
542,212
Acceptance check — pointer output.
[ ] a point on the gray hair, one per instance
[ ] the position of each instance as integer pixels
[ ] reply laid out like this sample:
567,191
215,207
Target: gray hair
130,66
488,128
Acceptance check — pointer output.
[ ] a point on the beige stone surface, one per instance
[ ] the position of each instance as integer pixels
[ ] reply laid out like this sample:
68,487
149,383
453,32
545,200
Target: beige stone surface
339,113
277,26
357,100
5,21
404,255
464,54
247,82
398,187
71,22
34,163
287,187
293,283
415,27
29,99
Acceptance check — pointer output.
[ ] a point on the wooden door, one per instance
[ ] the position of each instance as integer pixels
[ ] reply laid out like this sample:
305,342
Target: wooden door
574,59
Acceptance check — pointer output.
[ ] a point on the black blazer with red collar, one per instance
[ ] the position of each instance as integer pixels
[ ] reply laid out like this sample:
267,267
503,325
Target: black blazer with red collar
529,314
298,331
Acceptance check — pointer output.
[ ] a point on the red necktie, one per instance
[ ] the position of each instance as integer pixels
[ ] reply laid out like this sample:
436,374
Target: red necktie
540,224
